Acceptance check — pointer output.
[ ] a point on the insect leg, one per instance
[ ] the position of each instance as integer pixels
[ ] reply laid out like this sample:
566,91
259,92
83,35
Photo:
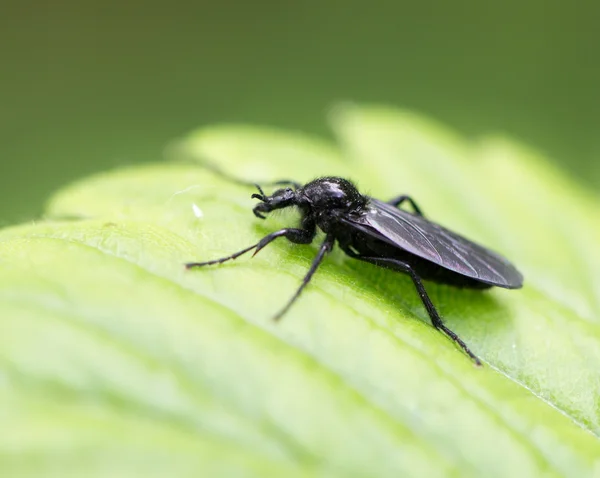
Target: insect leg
299,236
326,247
217,170
397,202
283,182
436,320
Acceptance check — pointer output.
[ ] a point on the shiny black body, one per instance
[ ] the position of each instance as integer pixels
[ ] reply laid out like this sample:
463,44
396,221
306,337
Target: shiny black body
382,234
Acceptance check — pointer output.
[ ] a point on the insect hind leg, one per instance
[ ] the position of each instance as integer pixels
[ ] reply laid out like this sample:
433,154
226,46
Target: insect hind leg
436,320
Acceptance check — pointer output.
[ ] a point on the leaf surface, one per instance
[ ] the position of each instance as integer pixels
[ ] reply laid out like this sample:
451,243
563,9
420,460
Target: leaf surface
116,360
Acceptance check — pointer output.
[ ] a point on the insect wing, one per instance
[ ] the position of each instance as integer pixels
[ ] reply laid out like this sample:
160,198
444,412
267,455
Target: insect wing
433,242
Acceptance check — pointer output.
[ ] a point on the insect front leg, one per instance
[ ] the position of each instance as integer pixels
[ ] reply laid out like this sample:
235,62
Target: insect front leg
298,236
436,320
397,202
229,177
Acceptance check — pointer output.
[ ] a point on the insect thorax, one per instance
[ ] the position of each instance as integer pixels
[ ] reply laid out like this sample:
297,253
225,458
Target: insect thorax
332,193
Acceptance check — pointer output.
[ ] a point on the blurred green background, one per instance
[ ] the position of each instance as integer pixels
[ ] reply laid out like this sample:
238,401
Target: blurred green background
91,85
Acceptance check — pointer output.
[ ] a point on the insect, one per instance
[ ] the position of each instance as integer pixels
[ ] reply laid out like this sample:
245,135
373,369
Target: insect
381,234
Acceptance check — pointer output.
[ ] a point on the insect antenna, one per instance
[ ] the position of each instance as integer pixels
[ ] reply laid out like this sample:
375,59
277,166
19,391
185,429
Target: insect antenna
262,196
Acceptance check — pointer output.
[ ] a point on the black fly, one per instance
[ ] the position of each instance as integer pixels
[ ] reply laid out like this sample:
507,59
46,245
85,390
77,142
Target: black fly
380,233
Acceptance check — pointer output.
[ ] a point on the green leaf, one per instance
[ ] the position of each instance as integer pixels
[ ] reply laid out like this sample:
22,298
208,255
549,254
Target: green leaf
116,361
